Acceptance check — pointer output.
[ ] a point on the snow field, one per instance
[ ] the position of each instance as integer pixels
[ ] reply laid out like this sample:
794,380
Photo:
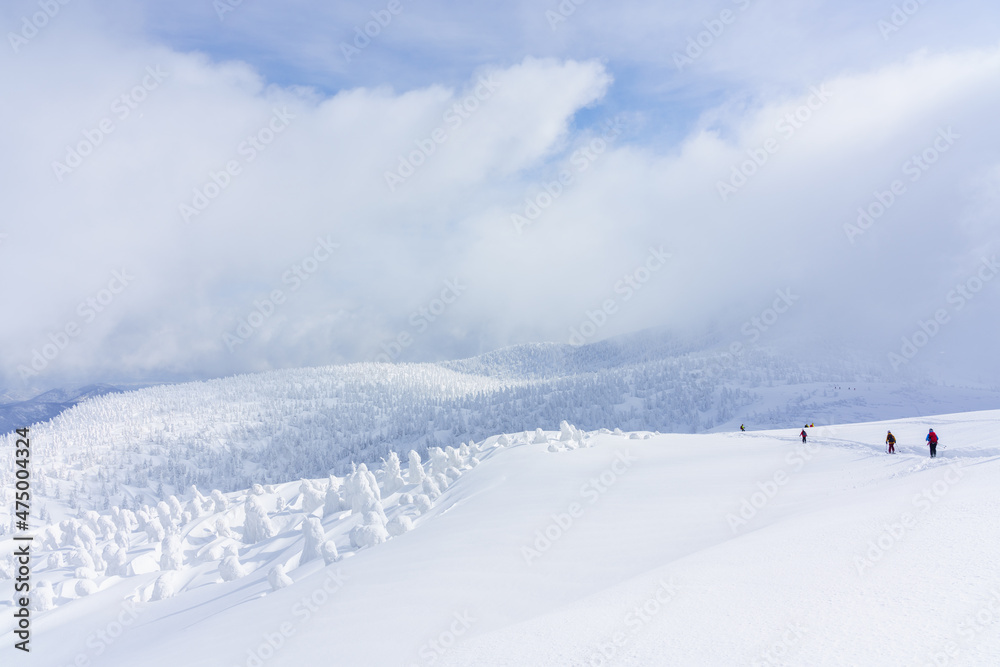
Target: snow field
616,548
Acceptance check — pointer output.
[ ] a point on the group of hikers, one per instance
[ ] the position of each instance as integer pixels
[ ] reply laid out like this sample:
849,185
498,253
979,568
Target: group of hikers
890,439
931,440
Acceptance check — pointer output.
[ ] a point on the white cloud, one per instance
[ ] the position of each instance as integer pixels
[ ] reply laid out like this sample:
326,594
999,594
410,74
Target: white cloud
324,176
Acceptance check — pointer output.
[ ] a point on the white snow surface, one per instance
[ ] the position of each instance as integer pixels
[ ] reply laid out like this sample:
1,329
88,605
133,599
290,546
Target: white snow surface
610,549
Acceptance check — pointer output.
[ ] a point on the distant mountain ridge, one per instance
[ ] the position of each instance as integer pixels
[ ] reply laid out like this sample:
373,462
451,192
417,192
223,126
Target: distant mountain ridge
20,413
229,433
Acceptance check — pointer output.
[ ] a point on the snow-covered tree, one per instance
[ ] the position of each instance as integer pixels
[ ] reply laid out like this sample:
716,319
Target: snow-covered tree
230,569
371,531
416,469
163,588
312,496
313,538
329,552
258,525
399,525
219,501
171,555
41,598
85,587
278,578
392,479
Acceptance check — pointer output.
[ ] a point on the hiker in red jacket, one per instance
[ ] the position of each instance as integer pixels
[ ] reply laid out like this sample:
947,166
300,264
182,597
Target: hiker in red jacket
803,434
932,440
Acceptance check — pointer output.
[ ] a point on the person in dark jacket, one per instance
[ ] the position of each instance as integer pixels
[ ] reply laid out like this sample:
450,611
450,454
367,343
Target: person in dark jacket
742,427
803,434
890,440
932,441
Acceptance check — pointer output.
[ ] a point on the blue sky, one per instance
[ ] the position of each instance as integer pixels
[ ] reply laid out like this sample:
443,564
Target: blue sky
897,80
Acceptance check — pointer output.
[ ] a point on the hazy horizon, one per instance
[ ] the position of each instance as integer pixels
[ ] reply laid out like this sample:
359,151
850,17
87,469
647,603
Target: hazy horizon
200,190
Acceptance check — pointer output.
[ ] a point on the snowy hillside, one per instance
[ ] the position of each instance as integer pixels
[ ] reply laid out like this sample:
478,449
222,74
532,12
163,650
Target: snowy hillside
553,548
18,411
270,427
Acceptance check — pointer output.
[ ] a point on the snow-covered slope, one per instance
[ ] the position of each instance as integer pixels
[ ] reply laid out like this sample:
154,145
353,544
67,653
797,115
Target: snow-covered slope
564,548
17,411
271,427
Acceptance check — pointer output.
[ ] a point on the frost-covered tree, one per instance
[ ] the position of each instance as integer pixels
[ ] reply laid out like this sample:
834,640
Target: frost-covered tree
41,598
230,569
69,538
171,555
392,479
115,560
431,488
85,587
258,525
567,432
163,588
416,469
364,492
312,496
423,503
329,551
333,503
163,514
87,538
313,538
219,501
176,510
106,527
438,460
399,525
371,531
278,578
154,531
